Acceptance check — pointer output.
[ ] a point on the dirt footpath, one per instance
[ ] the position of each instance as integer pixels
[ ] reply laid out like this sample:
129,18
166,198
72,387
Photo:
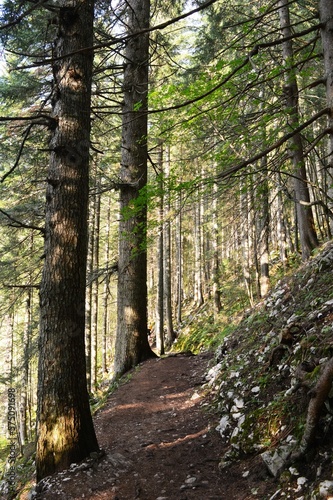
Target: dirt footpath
160,443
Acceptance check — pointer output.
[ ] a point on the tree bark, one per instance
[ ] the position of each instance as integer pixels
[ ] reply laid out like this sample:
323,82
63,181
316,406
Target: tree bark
305,221
325,11
263,231
198,264
25,371
179,259
106,326
132,345
64,423
95,287
216,267
159,324
170,334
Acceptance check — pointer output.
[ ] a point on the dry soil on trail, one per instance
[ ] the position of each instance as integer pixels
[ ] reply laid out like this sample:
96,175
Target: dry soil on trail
160,443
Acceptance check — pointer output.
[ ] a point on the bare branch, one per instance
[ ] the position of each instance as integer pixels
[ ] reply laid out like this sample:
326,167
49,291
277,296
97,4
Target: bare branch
22,16
18,224
26,135
275,145
21,286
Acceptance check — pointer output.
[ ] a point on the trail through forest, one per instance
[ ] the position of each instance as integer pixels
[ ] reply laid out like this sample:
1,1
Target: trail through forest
158,434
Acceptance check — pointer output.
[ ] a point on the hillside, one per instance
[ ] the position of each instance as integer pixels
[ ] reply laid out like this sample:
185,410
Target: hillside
269,372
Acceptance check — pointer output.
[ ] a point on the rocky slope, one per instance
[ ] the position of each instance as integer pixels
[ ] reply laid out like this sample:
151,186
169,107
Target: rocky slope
272,381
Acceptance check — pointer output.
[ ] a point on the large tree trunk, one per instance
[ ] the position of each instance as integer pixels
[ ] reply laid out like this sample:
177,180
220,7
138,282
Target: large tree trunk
326,9
64,424
307,233
132,345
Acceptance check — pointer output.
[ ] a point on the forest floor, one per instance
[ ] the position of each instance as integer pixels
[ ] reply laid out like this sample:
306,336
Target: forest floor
158,434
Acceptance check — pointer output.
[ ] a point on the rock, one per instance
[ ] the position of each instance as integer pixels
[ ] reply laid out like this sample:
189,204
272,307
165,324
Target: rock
325,488
239,403
190,480
223,425
301,481
276,461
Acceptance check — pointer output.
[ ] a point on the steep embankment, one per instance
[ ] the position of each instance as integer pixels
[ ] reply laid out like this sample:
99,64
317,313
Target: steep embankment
272,384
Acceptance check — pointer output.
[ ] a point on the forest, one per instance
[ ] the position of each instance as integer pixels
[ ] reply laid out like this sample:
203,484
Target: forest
158,158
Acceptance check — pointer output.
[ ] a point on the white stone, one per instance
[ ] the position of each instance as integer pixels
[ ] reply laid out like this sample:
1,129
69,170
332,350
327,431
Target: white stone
223,425
190,480
255,389
234,433
235,414
276,460
241,421
239,403
195,396
325,487
301,481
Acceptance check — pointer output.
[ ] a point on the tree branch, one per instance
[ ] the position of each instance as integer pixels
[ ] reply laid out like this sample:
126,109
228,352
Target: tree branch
275,145
116,40
22,16
18,224
21,286
26,135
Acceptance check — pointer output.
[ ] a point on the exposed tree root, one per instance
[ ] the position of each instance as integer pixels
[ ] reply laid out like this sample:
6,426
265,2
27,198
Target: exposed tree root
319,394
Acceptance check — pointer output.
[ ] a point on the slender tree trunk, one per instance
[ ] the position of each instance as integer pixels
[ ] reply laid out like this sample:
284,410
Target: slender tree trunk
245,240
95,288
106,293
263,231
25,372
325,10
198,285
89,292
216,258
307,233
170,334
159,324
132,345
179,261
64,424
